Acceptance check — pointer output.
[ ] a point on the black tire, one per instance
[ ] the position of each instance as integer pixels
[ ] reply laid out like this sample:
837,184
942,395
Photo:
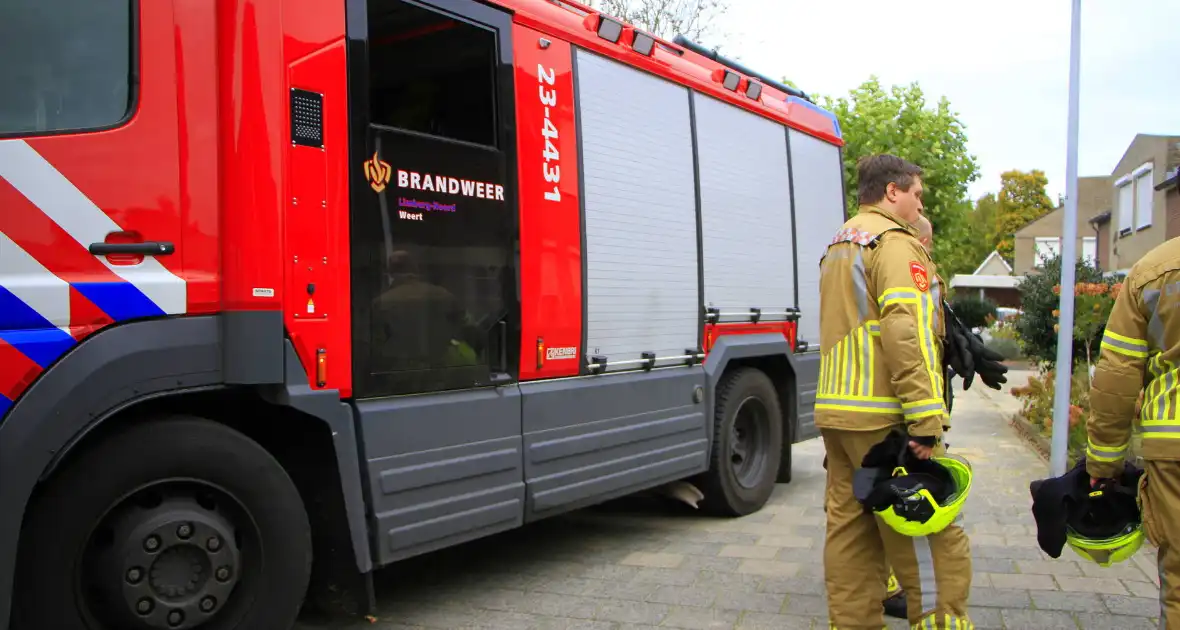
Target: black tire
191,485
746,401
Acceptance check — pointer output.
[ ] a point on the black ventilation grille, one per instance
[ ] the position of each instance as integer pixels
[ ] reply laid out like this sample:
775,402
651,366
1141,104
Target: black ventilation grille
307,118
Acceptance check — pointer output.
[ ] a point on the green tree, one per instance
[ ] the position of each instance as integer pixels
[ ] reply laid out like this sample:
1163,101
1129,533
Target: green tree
1022,199
695,19
898,121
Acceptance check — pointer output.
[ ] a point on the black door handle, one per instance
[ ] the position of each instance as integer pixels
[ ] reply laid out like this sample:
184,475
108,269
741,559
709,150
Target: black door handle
147,248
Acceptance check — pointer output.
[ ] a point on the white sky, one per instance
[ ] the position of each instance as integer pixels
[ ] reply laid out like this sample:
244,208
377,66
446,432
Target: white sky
1012,96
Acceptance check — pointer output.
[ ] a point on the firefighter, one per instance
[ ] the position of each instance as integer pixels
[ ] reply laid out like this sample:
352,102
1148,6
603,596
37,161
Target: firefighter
881,369
1141,345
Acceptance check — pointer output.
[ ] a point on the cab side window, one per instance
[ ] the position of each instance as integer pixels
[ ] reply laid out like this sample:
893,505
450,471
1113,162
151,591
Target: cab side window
65,65
431,73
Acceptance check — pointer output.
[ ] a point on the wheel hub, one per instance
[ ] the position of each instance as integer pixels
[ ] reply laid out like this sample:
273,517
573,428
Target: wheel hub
173,565
747,443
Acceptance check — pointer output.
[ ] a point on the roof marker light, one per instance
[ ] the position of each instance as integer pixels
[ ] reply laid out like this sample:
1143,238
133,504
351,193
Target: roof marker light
643,43
731,81
753,90
609,29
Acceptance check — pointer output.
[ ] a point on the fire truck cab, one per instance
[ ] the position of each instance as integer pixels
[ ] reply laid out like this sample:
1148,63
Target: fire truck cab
294,289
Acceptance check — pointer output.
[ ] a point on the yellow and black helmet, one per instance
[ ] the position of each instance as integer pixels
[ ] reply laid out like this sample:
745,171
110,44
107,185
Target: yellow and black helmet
914,497
1108,527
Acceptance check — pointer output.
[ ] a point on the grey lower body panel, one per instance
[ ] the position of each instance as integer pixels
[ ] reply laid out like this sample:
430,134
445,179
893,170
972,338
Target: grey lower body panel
594,438
442,469
807,379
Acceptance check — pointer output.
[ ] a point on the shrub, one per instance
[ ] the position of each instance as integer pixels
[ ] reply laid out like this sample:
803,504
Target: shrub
1035,326
973,311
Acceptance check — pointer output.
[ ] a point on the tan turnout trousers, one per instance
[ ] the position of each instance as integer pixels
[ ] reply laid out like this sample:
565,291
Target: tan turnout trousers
934,571
1159,492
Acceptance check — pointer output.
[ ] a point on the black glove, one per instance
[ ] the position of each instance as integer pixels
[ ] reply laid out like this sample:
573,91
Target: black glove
987,363
957,352
968,356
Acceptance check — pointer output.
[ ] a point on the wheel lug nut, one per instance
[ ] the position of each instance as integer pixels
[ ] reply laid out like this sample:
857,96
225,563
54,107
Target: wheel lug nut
175,618
144,606
213,544
134,575
208,604
152,543
184,530
223,574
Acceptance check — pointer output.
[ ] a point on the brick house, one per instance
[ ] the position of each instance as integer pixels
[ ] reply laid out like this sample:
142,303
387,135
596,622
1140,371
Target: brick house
1170,187
1120,216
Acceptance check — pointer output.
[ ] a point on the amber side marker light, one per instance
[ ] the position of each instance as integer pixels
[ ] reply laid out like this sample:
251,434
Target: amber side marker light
540,353
321,367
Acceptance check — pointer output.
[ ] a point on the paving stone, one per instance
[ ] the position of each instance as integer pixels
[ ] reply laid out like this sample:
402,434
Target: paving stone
633,612
789,540
558,623
1000,598
1141,589
1040,619
697,596
793,586
1122,571
741,599
985,618
1103,621
1109,586
758,552
1049,567
1022,581
701,618
1134,606
1071,602
768,621
994,565
714,563
806,605
771,568
647,559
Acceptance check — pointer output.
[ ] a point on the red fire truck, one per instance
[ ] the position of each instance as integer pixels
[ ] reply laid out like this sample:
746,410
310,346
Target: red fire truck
294,289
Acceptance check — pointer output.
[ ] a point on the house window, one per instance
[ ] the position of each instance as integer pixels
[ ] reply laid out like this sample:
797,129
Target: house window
1047,247
1143,196
1125,194
1090,249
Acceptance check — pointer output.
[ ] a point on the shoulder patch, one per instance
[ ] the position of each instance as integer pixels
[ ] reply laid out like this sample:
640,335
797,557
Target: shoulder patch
853,235
918,274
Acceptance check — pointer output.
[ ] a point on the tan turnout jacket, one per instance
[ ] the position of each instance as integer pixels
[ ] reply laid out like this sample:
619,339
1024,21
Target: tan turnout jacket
881,327
1140,352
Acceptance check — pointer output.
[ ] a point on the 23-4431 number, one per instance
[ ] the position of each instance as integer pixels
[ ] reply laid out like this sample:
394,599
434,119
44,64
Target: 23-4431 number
551,167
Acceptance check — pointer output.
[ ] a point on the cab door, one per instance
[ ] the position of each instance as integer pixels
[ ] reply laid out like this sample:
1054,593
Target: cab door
435,309
91,199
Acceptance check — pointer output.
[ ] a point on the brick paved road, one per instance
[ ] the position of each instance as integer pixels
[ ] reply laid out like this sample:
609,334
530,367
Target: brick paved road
645,563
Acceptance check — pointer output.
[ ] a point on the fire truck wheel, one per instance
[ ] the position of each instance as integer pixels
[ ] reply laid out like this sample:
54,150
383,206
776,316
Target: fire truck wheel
747,444
171,524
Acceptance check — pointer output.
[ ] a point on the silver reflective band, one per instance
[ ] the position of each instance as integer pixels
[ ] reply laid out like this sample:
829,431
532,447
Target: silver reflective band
1107,339
871,405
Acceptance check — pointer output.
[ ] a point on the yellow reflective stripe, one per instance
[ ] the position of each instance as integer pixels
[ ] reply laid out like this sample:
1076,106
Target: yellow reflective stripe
1123,345
898,295
951,622
926,341
861,404
1159,399
1130,341
1123,351
1165,429
871,359
1105,453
